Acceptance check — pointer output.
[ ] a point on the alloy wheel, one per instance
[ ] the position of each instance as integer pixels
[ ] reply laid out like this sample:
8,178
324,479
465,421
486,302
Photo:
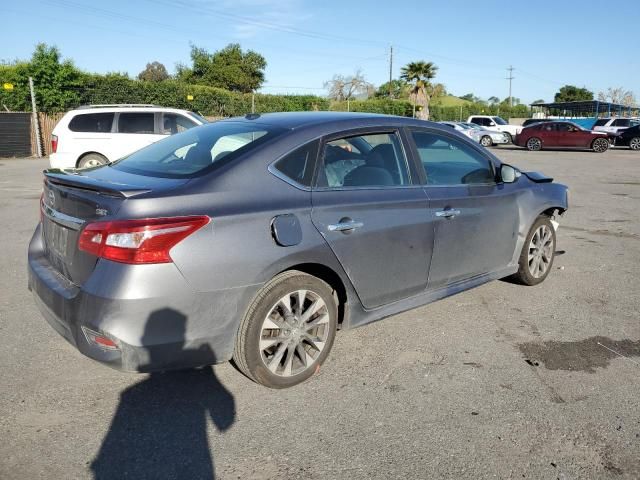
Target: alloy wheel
600,145
534,144
635,143
540,251
486,141
294,333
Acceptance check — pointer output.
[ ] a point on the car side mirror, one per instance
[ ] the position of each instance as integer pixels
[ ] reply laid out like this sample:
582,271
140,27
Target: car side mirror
492,124
509,174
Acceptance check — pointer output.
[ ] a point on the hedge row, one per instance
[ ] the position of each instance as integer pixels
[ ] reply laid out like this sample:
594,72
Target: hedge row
217,102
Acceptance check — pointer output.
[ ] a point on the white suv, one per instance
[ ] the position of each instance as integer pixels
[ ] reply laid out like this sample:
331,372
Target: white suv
497,124
97,134
615,125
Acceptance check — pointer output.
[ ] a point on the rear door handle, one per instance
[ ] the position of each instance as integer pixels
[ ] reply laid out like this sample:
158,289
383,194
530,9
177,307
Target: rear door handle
345,226
448,213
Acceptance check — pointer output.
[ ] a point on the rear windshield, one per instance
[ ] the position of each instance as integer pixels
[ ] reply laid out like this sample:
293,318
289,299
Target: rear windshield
197,150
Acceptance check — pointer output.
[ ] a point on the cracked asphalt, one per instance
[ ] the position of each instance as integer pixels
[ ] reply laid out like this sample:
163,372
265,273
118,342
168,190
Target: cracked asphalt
503,381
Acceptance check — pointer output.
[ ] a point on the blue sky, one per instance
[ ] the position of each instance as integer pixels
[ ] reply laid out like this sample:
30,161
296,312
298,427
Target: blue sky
549,43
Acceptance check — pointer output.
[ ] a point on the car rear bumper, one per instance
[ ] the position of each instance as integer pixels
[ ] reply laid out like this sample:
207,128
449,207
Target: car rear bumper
157,322
62,160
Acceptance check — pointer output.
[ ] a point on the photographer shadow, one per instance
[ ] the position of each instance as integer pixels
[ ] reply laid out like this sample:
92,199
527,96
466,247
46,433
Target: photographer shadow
159,429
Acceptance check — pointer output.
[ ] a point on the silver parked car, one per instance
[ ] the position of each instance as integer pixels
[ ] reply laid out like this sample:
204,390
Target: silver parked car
488,138
257,238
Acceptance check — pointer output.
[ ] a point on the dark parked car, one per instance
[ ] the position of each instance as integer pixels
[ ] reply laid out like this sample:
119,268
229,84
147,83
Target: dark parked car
561,135
256,238
532,121
629,138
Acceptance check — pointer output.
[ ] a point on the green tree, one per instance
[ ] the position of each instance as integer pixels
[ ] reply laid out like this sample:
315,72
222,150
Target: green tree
493,100
57,83
229,68
540,100
398,88
419,74
154,72
571,93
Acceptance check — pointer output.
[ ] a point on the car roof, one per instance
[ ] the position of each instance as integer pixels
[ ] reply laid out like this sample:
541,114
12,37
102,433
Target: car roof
293,120
124,108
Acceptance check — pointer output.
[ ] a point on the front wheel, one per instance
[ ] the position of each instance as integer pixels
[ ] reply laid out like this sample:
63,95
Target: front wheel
288,330
509,137
538,252
634,143
486,141
600,145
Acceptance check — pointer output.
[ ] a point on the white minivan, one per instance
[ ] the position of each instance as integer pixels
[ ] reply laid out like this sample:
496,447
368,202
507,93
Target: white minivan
98,134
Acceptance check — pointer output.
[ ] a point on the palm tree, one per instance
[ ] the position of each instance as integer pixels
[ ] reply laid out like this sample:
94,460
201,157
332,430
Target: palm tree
419,74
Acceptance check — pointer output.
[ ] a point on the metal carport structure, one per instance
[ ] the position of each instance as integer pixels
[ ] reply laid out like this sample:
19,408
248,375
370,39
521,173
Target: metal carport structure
591,108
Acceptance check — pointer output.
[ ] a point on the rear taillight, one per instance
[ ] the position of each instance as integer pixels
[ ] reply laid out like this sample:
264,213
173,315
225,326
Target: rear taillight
138,241
54,143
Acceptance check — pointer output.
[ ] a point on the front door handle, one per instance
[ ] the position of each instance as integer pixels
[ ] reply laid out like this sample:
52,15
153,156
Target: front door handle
345,226
448,213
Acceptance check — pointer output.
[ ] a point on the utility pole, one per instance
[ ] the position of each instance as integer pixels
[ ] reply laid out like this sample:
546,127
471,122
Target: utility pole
253,101
390,70
34,117
510,78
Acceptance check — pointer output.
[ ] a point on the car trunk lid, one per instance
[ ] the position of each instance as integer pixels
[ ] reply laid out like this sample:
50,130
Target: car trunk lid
71,199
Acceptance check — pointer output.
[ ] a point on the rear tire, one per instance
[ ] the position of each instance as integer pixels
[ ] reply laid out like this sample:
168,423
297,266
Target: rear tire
287,331
534,144
509,137
600,145
486,141
538,252
634,143
92,160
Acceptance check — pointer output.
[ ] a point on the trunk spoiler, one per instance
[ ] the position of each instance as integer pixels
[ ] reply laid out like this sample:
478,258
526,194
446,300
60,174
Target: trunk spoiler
538,177
82,182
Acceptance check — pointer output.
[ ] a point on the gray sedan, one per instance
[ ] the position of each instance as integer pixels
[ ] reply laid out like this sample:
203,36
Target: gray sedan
256,238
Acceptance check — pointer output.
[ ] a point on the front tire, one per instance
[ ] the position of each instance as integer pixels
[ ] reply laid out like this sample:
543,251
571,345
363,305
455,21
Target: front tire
534,144
600,145
634,143
486,141
287,331
509,137
538,252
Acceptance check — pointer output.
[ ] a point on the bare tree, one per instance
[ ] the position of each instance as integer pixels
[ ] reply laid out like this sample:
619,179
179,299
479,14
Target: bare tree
345,88
618,95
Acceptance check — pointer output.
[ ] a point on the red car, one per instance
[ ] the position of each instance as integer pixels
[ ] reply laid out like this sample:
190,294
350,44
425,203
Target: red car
561,135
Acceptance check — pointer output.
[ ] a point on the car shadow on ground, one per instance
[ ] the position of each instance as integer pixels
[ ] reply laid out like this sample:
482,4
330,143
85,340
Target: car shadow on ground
159,429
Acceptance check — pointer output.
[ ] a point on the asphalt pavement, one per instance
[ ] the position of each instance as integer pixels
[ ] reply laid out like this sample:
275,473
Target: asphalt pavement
503,381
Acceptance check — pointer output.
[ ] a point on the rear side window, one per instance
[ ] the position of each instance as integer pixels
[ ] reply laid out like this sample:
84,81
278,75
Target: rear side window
480,121
601,122
198,150
92,122
136,122
297,166
173,123
449,161
621,122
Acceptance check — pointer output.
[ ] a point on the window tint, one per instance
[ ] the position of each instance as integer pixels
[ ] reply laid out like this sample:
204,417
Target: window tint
136,122
500,121
449,161
480,121
566,127
549,127
601,122
173,123
186,154
298,165
364,161
92,122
